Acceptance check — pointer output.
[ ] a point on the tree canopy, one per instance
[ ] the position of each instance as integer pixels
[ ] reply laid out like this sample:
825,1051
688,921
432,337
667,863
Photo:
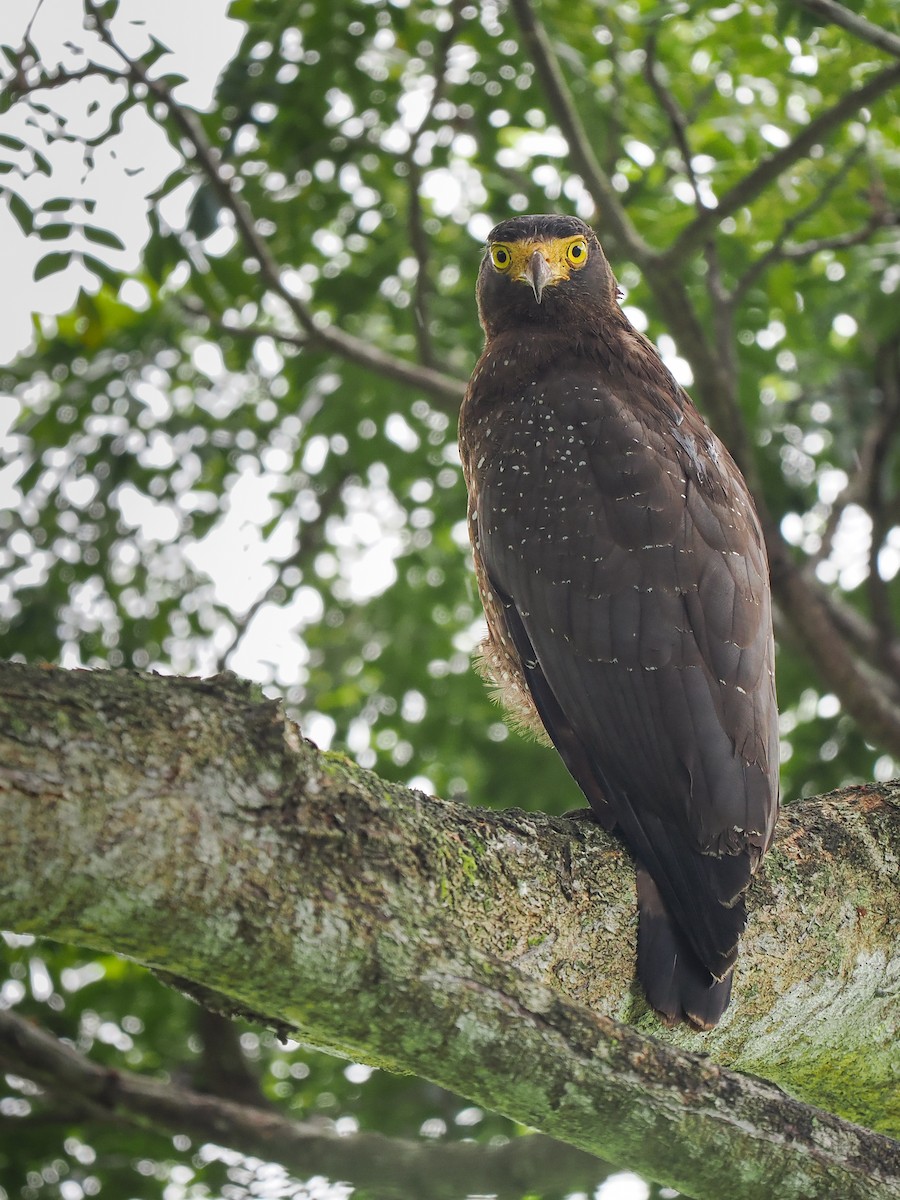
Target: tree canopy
237,448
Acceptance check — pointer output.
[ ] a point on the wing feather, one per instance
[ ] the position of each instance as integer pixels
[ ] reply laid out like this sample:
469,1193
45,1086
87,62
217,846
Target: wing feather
632,573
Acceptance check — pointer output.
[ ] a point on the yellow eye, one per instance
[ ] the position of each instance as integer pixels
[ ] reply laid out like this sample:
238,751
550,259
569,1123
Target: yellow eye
577,253
501,257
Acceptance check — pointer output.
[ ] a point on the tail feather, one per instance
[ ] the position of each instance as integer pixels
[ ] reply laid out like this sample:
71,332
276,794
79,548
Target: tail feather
677,984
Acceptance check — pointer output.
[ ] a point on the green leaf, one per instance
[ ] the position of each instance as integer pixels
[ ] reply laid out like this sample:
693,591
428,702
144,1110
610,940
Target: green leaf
103,237
20,210
52,264
12,143
104,270
53,233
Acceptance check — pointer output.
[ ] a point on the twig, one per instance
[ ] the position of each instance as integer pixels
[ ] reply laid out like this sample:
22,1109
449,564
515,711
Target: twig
842,241
419,243
20,85
678,121
757,180
776,252
853,23
196,308
418,238
26,37
310,538
879,444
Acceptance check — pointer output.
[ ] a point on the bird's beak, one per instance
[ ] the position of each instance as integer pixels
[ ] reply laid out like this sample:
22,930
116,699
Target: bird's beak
538,273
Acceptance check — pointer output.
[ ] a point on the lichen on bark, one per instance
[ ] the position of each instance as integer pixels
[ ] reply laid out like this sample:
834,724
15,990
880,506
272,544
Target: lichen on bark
187,824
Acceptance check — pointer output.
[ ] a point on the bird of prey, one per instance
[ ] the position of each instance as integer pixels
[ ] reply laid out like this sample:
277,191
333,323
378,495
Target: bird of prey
625,584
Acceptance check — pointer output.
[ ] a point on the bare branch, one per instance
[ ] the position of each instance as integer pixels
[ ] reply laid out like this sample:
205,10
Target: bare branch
746,191
837,14
392,1166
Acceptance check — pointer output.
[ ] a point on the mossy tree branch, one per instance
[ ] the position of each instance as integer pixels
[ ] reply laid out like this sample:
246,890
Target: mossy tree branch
186,823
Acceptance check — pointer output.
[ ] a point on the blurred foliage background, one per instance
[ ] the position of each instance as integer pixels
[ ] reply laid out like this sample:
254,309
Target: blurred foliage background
236,450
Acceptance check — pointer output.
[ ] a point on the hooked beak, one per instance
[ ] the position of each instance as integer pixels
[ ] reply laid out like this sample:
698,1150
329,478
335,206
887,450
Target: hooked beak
538,273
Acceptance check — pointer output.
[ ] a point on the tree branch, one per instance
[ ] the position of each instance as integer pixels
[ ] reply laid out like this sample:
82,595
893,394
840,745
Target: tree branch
816,623
879,442
678,121
185,823
356,350
390,1166
778,250
836,14
757,180
416,224
582,156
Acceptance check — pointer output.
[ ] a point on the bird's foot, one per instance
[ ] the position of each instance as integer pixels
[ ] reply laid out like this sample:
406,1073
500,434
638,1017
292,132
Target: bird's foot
582,814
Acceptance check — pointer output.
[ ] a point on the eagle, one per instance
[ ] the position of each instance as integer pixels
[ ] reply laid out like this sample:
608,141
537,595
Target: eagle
624,580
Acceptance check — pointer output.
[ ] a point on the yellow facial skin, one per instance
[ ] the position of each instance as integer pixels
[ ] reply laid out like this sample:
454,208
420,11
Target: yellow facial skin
540,264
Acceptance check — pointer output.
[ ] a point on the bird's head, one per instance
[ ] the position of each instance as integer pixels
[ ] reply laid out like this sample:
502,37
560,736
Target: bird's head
543,271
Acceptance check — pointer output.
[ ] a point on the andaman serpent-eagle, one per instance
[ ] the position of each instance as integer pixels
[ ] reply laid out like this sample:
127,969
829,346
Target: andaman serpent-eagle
625,584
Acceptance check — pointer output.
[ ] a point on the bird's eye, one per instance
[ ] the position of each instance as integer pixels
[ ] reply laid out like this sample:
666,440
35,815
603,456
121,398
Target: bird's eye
577,252
501,257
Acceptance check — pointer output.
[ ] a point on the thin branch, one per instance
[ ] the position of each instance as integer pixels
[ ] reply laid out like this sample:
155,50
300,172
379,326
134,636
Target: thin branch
392,1166
862,636
678,120
34,16
441,387
721,308
777,252
419,244
780,252
223,1069
812,615
842,241
837,14
416,224
20,85
196,308
310,538
581,152
746,191
880,599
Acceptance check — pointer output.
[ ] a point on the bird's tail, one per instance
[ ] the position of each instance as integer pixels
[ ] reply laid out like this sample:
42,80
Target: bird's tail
677,984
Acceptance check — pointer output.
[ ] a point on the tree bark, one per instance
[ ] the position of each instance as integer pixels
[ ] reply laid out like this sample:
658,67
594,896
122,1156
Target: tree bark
187,824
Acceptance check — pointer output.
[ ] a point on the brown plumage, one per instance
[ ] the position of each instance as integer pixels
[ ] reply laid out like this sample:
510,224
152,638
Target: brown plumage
625,585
